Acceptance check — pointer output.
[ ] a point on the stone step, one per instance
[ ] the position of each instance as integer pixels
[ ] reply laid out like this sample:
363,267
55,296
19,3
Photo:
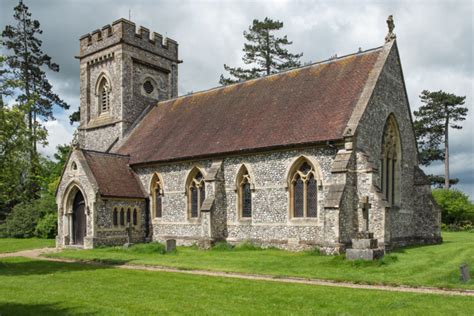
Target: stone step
364,254
365,243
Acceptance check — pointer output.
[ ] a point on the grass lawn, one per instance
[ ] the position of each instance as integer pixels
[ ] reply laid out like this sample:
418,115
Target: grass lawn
16,244
30,287
436,265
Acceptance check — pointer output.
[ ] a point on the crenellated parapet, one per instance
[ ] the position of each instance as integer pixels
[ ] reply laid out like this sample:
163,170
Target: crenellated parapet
125,31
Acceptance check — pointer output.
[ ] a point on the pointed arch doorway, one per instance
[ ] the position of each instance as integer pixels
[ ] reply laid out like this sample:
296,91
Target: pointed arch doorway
79,219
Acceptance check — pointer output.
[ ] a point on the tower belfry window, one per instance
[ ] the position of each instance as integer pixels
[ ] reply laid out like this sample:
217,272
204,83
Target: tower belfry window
104,96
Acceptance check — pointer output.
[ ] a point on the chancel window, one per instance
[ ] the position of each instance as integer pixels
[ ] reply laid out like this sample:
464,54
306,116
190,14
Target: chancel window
244,193
196,194
304,191
157,196
390,161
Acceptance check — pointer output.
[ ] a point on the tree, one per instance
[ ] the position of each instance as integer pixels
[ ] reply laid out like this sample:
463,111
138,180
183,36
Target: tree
455,206
438,181
264,51
26,64
439,112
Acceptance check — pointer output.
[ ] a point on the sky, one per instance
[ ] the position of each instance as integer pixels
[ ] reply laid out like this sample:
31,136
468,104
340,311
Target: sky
435,39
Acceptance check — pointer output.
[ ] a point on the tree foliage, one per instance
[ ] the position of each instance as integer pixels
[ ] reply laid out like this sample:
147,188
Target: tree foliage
455,206
25,64
439,112
264,51
14,148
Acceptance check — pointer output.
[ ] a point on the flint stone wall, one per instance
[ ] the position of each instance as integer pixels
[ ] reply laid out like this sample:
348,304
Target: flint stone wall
411,219
271,223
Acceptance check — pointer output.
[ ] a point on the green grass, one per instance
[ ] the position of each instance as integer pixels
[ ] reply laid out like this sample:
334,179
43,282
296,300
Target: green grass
30,287
16,244
436,265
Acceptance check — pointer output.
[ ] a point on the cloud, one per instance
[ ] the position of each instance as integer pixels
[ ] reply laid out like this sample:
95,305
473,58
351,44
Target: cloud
434,37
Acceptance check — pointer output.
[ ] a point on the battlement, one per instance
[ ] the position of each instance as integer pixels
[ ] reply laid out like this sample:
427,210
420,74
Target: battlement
125,31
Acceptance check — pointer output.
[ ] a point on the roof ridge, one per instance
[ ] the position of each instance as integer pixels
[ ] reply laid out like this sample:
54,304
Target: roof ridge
104,153
321,62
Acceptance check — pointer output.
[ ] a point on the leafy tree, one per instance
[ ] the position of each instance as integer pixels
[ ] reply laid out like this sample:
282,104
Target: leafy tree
455,206
75,117
264,51
26,64
439,112
14,149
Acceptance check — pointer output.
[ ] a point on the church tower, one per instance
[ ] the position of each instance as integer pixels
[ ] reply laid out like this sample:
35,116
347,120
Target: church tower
122,72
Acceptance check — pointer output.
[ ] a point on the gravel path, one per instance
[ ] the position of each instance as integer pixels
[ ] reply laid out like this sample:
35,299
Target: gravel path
37,254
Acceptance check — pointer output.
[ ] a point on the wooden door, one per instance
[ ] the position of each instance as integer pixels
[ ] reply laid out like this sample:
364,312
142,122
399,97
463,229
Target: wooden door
79,219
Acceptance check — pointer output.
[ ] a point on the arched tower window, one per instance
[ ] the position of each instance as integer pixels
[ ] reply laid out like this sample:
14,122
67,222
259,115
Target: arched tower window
390,161
157,196
303,190
104,95
196,191
244,193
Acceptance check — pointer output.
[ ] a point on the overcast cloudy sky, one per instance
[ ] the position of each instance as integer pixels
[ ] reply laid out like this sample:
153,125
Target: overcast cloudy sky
435,39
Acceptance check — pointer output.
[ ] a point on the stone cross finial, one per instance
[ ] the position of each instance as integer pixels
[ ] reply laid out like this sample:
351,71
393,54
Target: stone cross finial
391,25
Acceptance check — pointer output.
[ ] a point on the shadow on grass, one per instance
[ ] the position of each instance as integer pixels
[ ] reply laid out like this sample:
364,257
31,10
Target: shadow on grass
38,309
17,266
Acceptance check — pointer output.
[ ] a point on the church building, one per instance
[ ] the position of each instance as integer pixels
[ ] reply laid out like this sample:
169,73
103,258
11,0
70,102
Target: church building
307,158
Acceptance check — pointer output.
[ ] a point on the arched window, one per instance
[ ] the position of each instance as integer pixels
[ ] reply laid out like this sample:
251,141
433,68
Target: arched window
115,217
196,191
303,190
122,217
135,217
128,216
390,161
104,95
244,193
157,196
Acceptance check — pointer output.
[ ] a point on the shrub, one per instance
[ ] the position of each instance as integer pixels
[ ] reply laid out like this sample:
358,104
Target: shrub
21,222
465,226
455,206
47,226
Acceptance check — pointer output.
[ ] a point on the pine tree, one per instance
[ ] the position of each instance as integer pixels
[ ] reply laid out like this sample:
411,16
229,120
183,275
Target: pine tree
264,51
439,112
26,63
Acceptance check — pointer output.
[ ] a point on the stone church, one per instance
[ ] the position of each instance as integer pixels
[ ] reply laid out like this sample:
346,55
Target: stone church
309,157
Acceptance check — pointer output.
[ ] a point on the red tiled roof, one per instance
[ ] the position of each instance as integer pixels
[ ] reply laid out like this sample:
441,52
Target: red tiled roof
301,106
113,175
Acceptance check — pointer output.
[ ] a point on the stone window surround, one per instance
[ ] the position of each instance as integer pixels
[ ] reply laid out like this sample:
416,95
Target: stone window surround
243,176
156,183
189,181
391,157
103,82
316,172
119,226
153,94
